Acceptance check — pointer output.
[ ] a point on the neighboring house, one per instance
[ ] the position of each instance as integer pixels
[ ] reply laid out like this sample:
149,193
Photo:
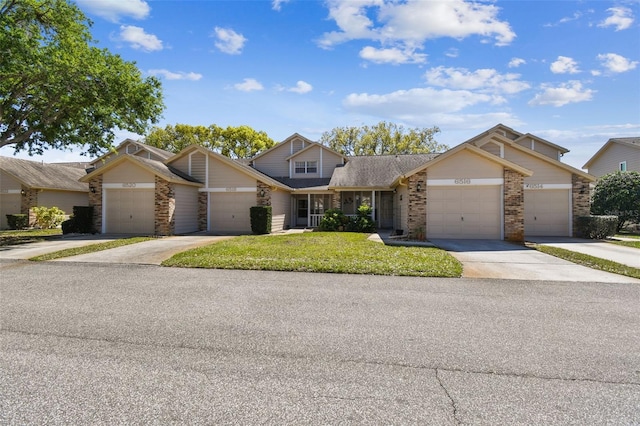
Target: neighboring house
25,184
618,154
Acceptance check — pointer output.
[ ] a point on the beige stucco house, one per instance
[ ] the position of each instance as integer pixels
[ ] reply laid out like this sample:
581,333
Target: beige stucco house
501,184
618,154
26,184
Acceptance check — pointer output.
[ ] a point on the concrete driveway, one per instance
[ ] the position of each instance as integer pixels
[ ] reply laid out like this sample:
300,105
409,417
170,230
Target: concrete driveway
621,254
501,259
28,250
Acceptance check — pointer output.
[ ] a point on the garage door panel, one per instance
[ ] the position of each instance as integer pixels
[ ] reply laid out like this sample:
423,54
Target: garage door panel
546,213
230,212
130,211
473,212
9,204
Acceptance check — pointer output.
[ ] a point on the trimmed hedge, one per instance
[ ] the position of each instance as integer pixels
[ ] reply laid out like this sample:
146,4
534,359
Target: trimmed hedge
81,222
596,227
18,221
261,219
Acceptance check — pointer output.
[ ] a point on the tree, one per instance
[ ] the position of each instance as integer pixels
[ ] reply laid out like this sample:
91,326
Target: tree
618,194
233,142
382,138
57,90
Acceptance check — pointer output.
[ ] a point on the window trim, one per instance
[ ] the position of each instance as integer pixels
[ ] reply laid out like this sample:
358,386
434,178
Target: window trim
305,167
622,166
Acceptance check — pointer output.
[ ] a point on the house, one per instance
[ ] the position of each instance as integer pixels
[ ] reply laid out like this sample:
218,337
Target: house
25,184
618,154
501,184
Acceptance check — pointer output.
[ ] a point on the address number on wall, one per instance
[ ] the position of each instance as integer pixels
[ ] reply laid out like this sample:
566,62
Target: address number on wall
465,181
129,185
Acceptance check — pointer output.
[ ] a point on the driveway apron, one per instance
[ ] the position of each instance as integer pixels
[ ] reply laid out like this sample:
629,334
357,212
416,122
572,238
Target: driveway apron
620,254
501,259
28,250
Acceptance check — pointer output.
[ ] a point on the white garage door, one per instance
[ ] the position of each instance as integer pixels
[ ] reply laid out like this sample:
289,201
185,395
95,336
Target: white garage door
229,212
546,213
470,212
9,204
130,211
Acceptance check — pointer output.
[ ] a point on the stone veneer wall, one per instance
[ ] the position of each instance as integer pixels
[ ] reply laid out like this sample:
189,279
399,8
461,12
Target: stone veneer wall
27,201
513,206
95,200
202,210
580,199
265,200
417,208
165,206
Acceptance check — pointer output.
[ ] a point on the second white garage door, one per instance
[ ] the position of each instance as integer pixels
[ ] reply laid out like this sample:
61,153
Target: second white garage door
546,213
130,211
229,212
9,204
469,212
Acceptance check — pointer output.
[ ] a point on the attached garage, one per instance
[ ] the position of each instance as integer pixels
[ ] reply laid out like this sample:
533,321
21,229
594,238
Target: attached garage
186,213
464,212
129,211
229,212
547,212
9,204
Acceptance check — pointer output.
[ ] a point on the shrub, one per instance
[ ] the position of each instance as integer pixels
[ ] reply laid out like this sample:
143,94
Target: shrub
18,221
596,227
48,217
70,226
83,218
618,194
260,219
363,222
333,220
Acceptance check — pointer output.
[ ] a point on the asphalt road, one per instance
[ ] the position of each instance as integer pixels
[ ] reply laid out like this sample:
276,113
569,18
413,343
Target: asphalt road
133,344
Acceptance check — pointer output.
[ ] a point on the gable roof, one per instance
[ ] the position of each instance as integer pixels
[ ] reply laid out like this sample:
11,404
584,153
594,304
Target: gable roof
156,167
238,165
563,150
379,171
313,145
633,142
39,175
498,129
470,147
279,144
161,153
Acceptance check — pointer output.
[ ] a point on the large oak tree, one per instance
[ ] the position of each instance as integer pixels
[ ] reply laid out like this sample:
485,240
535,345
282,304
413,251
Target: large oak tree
59,90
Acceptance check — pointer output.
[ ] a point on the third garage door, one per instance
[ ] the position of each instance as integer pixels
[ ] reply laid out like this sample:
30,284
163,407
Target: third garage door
546,213
464,212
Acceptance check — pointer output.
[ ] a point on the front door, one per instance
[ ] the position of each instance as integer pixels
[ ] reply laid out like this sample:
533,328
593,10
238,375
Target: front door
302,212
386,210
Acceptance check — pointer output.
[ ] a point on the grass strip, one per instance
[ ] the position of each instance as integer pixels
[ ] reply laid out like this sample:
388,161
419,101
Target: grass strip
9,238
91,248
634,244
339,252
590,261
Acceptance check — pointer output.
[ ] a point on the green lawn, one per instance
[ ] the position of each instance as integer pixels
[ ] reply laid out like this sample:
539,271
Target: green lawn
340,252
91,248
27,236
634,244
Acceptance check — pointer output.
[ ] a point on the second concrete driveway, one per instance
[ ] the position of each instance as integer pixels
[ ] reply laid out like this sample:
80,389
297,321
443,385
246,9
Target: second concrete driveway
501,259
151,252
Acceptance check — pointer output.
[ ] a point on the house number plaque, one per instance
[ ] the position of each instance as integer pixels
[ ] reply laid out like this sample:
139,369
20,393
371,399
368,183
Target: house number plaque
465,181
534,186
129,185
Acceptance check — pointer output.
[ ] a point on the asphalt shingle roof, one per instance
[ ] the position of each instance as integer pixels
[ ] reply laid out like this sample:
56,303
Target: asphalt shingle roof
376,171
632,141
36,174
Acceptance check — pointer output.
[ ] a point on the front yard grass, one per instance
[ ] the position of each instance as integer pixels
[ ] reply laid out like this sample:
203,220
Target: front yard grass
590,261
340,252
91,248
634,244
8,238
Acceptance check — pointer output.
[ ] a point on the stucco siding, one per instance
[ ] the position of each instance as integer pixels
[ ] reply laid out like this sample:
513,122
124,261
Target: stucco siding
128,173
186,212
609,160
280,210
465,165
64,200
222,175
543,172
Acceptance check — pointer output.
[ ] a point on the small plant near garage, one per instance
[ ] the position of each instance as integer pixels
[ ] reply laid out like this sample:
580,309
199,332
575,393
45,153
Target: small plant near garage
18,221
260,219
597,227
80,222
48,217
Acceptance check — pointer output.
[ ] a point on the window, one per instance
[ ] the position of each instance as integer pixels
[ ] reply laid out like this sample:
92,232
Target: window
623,166
306,167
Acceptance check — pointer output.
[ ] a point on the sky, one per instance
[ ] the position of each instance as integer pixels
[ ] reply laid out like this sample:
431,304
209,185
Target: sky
567,71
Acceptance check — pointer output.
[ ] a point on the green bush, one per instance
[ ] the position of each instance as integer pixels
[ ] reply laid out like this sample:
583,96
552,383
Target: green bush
261,219
48,217
70,227
18,221
596,227
83,218
363,222
618,194
333,220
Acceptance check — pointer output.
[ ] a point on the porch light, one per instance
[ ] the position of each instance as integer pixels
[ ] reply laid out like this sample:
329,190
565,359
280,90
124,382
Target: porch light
92,189
262,192
419,186
23,192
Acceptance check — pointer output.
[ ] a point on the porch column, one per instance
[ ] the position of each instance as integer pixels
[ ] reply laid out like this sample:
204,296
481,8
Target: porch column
373,205
308,210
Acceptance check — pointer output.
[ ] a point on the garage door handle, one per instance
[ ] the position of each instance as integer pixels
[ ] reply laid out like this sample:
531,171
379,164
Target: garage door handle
462,218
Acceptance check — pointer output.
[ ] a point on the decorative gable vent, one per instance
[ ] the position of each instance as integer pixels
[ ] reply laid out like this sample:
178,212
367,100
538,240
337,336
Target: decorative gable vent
131,149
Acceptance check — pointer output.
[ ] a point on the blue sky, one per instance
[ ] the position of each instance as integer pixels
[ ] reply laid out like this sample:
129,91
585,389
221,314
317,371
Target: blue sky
568,71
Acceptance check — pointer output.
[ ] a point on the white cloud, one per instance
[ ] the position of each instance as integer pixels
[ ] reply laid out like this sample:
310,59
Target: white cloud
413,22
566,93
392,56
564,65
180,75
277,4
452,53
616,63
139,39
621,18
301,87
484,80
229,41
248,85
516,62
113,10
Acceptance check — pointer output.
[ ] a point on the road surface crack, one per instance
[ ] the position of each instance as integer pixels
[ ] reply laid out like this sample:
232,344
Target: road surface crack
454,406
